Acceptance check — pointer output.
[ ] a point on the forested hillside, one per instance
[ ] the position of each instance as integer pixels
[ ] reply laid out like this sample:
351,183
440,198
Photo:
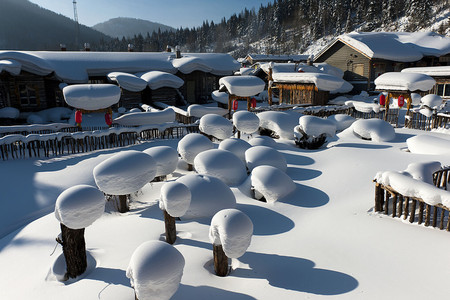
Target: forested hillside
129,27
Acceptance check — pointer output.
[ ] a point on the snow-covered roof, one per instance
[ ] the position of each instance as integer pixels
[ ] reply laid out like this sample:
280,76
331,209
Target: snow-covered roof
158,79
395,46
76,67
243,86
269,57
11,66
323,81
127,81
399,81
430,71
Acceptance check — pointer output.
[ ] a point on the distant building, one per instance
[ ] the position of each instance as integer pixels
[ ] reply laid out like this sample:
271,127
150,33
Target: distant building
442,76
252,59
366,55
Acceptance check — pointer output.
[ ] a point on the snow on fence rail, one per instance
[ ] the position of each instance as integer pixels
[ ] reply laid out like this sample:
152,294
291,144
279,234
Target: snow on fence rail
414,208
416,120
18,146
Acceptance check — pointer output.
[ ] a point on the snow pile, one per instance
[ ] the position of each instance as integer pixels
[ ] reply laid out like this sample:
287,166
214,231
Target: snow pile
416,99
79,206
221,97
50,115
271,183
282,123
432,101
127,81
314,126
428,144
216,126
158,79
146,118
341,121
404,81
215,63
125,172
263,155
363,106
209,195
221,164
191,145
9,113
323,82
373,129
166,159
246,122
410,187
329,69
232,229
235,146
196,110
423,171
262,140
242,86
11,66
91,96
155,270
175,198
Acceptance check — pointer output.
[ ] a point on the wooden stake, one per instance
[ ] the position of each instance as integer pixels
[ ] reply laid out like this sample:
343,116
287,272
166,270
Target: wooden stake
421,207
413,211
220,261
171,231
74,250
123,204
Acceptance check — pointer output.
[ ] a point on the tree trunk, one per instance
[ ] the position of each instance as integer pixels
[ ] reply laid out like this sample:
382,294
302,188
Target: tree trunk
74,249
123,204
171,231
220,261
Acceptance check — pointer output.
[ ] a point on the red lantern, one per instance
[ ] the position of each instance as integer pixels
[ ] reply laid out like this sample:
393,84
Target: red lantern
253,103
382,100
401,101
235,104
108,119
78,117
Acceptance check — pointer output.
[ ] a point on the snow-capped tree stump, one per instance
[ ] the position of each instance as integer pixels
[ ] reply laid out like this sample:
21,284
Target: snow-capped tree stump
123,204
74,249
171,231
220,261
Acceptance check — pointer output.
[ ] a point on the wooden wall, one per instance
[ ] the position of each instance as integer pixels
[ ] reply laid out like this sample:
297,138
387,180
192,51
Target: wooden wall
302,94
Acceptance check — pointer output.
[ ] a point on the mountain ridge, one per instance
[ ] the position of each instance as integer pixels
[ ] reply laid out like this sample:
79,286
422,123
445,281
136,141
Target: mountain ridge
129,27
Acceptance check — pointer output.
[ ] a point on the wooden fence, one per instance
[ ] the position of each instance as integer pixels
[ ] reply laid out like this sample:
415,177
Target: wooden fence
416,120
391,202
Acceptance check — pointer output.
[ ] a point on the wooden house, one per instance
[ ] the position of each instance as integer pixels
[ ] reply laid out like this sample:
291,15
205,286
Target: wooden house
442,76
252,59
365,56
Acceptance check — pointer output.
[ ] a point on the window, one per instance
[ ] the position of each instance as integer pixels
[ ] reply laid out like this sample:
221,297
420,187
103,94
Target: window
447,90
28,95
358,69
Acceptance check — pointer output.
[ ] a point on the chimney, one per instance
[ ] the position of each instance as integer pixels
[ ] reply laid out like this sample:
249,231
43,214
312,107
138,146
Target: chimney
310,60
177,52
63,47
87,47
168,49
130,47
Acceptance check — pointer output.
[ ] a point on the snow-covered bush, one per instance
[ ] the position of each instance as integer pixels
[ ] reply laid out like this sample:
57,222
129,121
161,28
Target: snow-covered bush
263,155
262,140
230,233
221,164
209,195
191,145
235,146
196,110
373,129
341,121
428,144
246,122
216,126
281,123
155,270
312,131
166,159
271,183
430,104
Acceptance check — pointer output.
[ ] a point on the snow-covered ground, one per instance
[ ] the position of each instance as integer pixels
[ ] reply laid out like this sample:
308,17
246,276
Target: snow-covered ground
322,240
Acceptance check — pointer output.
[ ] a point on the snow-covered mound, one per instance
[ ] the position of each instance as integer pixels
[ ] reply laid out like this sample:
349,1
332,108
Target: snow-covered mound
416,99
79,206
175,198
235,146
262,140
432,101
9,113
221,164
155,270
246,122
198,111
221,97
146,118
363,106
342,121
232,229
428,144
423,171
191,145
127,81
282,123
216,125
410,187
271,183
50,115
263,155
209,195
401,81
124,173
243,86
91,96
166,159
315,126
158,79
373,129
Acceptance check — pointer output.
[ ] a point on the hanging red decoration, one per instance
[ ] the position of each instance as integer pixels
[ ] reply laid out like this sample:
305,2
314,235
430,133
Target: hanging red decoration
401,101
108,119
78,116
253,103
382,100
235,104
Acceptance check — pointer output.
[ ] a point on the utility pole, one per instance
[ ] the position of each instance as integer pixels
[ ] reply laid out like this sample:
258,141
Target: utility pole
77,25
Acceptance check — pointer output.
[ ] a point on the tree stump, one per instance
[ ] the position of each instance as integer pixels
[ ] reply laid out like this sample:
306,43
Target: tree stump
171,232
123,204
220,261
74,250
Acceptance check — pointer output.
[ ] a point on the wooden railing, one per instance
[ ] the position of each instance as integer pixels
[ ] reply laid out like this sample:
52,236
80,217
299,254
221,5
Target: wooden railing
391,202
416,120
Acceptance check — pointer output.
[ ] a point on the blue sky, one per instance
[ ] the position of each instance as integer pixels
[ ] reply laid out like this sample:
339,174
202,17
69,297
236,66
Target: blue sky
175,13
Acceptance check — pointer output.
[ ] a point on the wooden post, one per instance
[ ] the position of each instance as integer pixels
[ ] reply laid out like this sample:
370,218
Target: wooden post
248,104
406,210
220,261
441,221
394,205
427,214
230,100
435,215
378,197
386,111
123,204
413,211
74,250
386,203
269,89
171,232
421,207
400,206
